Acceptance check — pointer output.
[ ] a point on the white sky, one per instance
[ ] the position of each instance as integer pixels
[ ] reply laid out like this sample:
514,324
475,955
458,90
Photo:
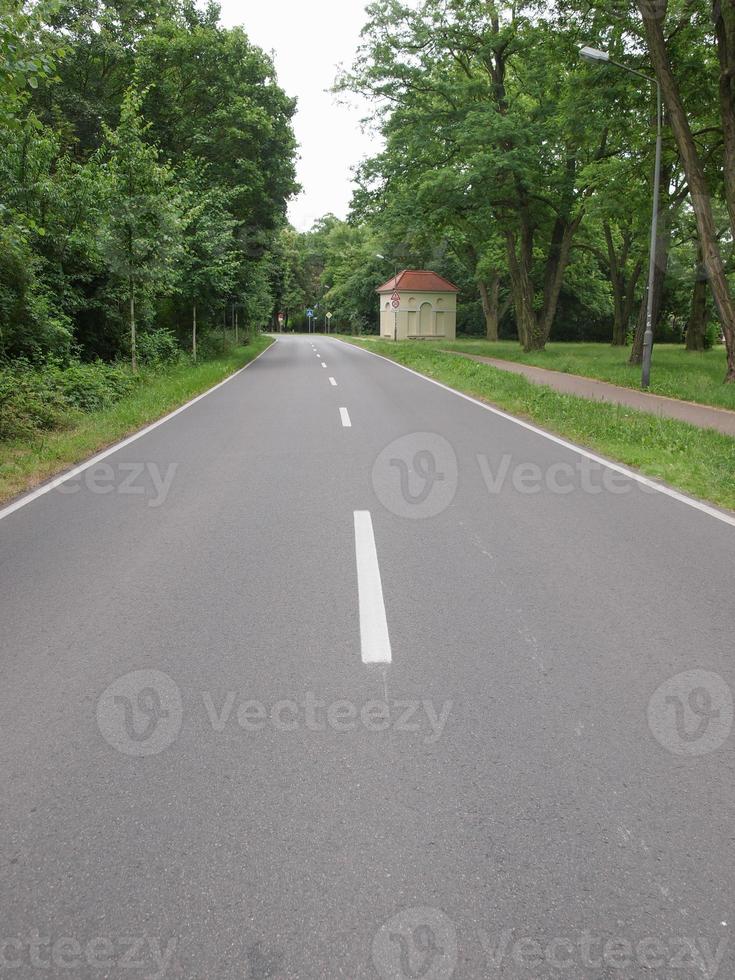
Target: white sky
310,40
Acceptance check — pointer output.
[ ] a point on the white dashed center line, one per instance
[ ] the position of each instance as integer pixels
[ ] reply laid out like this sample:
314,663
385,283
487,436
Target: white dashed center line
323,364
374,639
345,416
333,382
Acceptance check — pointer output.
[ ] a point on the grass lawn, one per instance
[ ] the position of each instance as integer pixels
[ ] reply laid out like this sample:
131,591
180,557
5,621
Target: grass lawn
24,465
695,377
700,462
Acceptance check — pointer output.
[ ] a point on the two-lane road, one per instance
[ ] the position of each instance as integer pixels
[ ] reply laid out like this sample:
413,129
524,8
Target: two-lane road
339,674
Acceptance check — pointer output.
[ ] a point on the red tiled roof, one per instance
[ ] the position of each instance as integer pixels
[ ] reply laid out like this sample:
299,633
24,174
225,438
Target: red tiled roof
417,281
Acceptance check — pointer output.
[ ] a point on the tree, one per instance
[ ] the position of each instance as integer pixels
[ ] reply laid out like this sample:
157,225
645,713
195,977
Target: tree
464,100
141,228
699,191
209,261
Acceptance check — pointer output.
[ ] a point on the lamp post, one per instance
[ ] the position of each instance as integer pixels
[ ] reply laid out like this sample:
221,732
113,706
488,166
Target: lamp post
596,56
395,286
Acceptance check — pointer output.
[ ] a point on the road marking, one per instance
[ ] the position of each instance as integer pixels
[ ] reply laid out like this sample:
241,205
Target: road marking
57,482
692,502
345,416
323,364
374,639
333,382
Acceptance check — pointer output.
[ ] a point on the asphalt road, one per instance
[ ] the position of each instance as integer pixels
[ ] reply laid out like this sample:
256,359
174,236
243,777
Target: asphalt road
237,740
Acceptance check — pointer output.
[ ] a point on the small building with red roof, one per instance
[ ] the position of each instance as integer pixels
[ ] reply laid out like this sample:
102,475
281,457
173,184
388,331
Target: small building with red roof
418,304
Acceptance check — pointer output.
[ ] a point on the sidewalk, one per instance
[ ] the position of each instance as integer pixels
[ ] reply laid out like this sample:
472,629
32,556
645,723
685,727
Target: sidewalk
704,416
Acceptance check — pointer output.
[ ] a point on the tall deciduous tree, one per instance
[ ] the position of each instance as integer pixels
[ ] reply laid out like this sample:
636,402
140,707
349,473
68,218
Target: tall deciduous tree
140,236
699,191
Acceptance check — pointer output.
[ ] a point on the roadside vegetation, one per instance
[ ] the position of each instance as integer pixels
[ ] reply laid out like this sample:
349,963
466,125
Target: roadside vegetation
524,175
678,373
55,417
699,462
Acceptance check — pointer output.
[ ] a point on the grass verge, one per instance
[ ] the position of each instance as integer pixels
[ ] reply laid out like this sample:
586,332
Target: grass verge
699,461
26,463
677,373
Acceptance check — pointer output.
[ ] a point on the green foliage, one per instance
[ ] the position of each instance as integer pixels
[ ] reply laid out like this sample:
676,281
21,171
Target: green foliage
158,347
140,235
147,153
39,399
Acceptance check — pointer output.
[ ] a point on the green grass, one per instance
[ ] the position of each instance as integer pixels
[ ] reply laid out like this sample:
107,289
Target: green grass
700,462
693,376
26,463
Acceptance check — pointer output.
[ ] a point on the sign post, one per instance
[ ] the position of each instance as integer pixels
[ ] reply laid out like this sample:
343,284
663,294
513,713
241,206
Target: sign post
329,322
395,302
310,314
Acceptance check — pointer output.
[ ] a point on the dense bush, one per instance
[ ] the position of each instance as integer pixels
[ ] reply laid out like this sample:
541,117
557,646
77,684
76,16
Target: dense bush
28,404
158,347
34,400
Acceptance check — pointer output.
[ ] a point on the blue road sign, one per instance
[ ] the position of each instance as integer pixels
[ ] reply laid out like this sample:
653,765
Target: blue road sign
310,313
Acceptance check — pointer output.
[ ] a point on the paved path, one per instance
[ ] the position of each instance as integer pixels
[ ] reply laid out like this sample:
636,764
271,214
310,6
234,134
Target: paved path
704,416
287,697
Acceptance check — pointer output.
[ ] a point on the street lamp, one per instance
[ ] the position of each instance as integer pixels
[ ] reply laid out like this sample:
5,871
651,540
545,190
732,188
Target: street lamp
395,286
595,56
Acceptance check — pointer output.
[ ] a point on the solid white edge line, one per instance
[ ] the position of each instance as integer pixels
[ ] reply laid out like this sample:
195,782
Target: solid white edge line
699,505
333,382
81,467
374,638
345,416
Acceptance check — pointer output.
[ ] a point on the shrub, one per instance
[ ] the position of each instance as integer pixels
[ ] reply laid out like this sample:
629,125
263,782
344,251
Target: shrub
27,404
90,387
157,347
34,400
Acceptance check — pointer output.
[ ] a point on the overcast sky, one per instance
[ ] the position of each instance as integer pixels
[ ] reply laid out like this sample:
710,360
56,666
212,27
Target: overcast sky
310,40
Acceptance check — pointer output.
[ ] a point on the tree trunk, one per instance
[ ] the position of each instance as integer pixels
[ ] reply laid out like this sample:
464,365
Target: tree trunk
697,323
237,332
723,15
489,298
556,267
133,352
194,332
522,293
698,189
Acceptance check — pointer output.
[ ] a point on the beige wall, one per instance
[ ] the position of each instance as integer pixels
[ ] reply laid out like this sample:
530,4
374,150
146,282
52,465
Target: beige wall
420,315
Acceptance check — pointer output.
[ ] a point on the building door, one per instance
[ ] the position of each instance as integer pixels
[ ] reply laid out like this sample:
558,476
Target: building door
426,320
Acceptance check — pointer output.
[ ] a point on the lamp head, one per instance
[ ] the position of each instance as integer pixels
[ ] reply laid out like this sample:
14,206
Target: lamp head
593,55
